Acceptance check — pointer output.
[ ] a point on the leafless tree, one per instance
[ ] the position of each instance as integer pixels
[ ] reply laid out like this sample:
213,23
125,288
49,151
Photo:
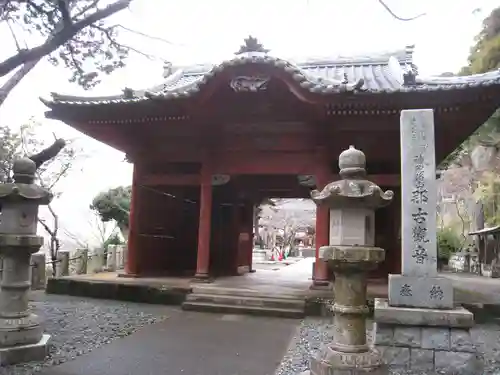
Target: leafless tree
288,217
392,13
49,176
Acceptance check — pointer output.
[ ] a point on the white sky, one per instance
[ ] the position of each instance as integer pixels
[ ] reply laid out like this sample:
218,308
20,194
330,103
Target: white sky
209,31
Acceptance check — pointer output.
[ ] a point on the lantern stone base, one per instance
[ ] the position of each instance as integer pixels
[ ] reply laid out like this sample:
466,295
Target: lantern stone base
332,362
25,353
20,331
426,339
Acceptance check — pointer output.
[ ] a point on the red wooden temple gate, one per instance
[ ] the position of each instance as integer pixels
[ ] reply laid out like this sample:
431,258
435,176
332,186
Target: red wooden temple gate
211,141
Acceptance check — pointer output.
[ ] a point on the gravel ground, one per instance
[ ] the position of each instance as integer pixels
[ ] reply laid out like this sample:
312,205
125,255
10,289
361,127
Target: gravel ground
313,333
80,325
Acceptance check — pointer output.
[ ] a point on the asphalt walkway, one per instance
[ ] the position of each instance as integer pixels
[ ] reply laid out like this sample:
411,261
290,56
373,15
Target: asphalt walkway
191,344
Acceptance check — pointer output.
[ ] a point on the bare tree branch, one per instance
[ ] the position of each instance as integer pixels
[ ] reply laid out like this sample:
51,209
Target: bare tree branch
18,46
85,9
391,12
145,35
113,42
14,80
60,37
62,5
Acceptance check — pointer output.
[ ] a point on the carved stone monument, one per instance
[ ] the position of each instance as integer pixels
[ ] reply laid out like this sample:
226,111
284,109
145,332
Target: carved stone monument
419,327
351,254
21,334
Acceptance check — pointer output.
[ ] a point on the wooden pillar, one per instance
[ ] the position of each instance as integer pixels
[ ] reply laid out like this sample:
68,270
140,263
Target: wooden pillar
203,257
132,261
235,236
249,228
322,221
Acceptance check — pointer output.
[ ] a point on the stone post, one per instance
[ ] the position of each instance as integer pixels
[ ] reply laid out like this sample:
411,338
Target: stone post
119,257
38,271
419,328
97,260
21,334
111,258
62,265
352,202
124,251
82,261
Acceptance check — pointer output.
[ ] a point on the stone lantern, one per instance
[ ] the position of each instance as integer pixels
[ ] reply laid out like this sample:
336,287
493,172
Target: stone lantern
21,334
351,254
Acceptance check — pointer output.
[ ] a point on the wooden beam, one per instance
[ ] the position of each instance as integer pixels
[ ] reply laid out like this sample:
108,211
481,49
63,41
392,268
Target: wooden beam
170,180
259,141
273,163
384,180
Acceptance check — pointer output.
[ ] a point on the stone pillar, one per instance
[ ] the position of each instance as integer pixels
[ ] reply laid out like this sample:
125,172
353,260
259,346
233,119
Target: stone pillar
97,260
21,333
82,261
38,271
111,258
62,265
120,256
351,254
132,264
419,323
203,258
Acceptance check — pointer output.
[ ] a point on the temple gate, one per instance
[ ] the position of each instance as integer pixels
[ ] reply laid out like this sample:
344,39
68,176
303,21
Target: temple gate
210,142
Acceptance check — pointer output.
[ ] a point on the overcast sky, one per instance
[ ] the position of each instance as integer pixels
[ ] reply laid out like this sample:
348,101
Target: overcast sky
210,31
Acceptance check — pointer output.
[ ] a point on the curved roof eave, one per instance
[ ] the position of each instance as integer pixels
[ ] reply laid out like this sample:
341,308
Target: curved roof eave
360,75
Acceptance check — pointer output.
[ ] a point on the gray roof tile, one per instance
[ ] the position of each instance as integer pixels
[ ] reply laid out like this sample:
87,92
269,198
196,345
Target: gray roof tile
376,74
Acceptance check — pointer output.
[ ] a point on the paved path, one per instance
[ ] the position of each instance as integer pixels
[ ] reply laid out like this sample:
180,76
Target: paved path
191,344
482,289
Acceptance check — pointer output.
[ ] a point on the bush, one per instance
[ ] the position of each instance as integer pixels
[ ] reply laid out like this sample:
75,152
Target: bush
448,242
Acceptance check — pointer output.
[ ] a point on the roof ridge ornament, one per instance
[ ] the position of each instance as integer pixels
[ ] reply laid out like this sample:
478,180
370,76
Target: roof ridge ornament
128,93
410,78
168,68
251,45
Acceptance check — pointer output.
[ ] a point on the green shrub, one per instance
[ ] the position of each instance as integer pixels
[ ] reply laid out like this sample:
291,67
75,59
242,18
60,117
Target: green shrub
448,242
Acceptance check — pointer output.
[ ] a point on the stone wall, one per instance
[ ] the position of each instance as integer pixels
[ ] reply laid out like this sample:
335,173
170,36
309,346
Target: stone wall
426,339
426,348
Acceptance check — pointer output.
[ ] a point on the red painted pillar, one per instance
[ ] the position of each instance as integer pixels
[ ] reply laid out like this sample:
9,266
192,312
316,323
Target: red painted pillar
248,227
203,258
322,223
236,230
132,261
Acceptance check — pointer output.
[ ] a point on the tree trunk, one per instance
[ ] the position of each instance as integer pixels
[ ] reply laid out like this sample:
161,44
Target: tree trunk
124,230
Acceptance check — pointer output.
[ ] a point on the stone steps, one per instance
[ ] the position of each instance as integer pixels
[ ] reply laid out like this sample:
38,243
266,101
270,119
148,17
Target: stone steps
242,309
283,303
239,303
223,291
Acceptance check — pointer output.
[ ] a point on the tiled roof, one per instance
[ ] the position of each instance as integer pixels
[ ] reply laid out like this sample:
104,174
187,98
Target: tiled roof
384,73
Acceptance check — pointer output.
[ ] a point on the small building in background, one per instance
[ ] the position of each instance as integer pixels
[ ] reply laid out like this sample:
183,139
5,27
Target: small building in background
489,242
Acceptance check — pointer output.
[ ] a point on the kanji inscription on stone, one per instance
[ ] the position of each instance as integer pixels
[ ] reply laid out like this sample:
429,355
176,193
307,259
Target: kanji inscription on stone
405,290
418,193
436,292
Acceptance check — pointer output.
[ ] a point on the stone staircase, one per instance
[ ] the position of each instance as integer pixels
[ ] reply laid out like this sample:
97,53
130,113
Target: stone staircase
244,301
